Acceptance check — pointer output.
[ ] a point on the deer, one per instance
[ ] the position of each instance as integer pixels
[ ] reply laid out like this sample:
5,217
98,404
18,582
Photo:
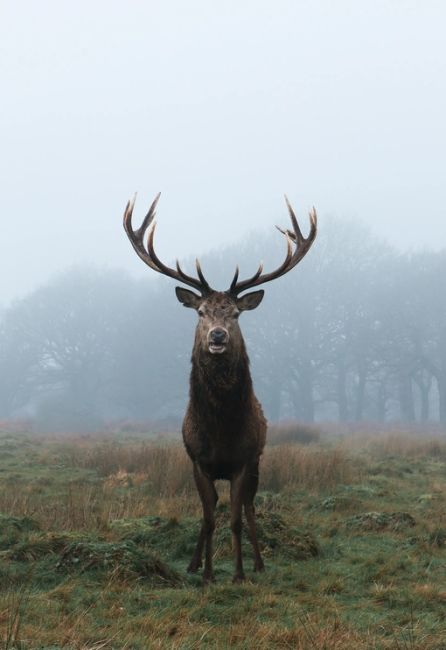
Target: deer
224,428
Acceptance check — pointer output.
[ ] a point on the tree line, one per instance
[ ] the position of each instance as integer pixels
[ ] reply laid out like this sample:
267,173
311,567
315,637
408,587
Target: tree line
356,332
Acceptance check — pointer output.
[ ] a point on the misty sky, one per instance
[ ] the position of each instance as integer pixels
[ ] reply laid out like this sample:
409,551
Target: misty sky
222,107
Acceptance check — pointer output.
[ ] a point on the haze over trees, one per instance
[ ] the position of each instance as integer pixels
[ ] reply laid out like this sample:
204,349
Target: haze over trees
356,332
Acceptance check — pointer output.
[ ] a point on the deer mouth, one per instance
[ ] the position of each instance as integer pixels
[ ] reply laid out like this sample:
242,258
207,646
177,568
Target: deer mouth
217,348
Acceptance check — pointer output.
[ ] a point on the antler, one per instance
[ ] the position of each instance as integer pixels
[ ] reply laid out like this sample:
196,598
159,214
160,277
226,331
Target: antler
148,255
292,258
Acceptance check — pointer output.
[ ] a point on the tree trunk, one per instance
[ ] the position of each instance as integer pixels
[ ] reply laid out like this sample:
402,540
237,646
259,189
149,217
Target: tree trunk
424,394
381,402
441,382
406,399
341,391
360,394
424,387
307,392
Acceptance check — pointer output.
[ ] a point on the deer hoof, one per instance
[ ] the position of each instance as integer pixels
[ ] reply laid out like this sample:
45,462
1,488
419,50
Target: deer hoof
238,578
193,567
207,580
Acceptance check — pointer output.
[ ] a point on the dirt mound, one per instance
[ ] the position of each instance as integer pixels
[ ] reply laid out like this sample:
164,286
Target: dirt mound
123,559
177,540
339,503
167,536
34,547
381,521
68,554
276,535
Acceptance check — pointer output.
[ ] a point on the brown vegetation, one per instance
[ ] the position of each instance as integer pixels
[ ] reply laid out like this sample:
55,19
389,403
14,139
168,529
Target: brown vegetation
96,559
293,431
398,443
159,478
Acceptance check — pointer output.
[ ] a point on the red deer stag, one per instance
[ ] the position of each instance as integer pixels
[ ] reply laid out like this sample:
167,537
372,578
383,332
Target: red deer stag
224,428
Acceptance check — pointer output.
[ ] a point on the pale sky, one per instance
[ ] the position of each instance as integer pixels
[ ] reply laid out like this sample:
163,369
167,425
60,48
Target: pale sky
222,107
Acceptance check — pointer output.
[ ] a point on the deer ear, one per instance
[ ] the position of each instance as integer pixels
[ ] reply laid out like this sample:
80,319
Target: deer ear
188,298
250,300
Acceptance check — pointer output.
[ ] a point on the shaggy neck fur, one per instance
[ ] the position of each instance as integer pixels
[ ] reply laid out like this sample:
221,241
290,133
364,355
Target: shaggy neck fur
220,385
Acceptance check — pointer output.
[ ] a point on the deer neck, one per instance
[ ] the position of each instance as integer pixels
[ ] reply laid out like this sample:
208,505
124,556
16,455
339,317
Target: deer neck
221,378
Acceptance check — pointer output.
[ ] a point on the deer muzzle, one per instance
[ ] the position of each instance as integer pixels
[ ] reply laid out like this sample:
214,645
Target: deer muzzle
218,338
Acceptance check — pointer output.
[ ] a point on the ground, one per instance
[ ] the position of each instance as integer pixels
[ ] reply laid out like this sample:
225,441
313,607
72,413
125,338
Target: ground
96,534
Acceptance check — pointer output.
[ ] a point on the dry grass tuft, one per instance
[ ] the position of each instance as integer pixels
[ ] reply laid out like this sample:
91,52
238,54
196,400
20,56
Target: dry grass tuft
167,469
315,468
293,431
400,445
137,478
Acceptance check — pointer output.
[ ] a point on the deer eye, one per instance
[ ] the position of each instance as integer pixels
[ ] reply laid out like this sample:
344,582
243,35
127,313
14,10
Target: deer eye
200,312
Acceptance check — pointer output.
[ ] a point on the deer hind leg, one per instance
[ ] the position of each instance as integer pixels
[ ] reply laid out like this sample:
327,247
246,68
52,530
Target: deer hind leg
237,499
209,498
251,484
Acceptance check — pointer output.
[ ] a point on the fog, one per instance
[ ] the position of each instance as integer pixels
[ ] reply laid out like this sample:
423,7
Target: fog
357,332
223,108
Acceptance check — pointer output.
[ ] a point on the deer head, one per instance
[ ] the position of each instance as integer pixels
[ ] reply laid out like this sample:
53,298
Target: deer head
218,330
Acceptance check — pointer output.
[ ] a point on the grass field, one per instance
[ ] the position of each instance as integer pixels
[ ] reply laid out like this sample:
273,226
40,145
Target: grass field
96,534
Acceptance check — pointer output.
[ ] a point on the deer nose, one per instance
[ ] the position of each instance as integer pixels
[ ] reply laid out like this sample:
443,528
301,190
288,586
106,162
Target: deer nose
218,336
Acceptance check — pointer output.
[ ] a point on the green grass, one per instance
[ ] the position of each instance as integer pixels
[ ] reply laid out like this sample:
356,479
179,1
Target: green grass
95,538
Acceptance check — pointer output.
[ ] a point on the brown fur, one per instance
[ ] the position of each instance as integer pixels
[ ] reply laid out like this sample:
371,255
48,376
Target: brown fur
224,428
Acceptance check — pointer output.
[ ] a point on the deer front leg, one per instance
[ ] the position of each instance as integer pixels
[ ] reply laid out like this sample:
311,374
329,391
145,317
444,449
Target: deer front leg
237,494
252,481
209,497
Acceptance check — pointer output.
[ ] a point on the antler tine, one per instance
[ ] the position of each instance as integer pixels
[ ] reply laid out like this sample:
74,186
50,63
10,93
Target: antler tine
237,287
296,228
148,254
313,217
149,216
178,274
292,258
137,236
234,279
201,276
202,283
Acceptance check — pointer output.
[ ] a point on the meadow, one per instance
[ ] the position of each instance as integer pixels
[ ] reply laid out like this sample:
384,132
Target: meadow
96,533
